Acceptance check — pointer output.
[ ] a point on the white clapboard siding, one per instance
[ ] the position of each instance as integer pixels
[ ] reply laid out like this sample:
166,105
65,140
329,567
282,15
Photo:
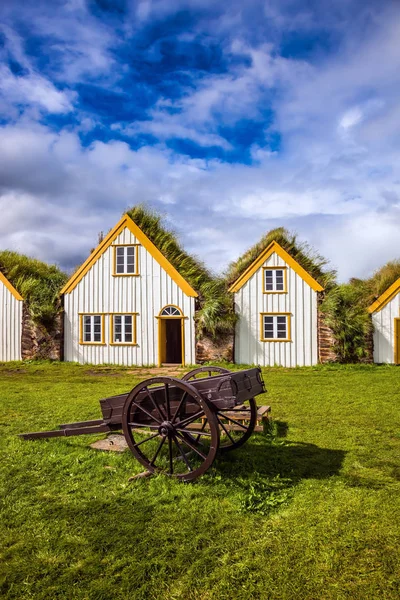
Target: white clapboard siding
300,302
384,330
10,325
146,294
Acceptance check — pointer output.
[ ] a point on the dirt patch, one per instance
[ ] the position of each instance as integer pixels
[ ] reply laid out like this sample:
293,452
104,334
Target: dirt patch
168,371
103,373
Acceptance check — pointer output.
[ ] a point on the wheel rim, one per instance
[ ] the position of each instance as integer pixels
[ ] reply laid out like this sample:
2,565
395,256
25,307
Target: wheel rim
204,372
163,425
236,425
233,432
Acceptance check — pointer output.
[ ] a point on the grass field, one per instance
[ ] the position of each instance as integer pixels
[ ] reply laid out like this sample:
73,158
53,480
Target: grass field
310,512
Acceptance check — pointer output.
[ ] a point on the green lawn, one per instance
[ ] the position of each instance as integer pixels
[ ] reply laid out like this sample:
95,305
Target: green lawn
311,512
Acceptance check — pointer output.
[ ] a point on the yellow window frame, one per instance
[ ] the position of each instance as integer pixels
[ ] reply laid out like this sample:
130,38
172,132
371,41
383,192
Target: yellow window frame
103,329
284,269
114,270
134,329
288,326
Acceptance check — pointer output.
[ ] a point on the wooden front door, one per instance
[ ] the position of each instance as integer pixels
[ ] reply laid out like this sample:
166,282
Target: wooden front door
171,341
397,341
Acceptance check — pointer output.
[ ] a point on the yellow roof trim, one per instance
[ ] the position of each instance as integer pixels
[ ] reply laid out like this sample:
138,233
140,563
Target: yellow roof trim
126,221
289,260
385,298
10,287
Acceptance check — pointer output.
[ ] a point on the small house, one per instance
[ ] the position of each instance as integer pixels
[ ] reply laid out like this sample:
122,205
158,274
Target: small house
276,301
10,321
127,304
385,313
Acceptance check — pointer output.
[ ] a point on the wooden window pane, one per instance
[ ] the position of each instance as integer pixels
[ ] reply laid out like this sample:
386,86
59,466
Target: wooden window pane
279,280
269,282
120,259
268,327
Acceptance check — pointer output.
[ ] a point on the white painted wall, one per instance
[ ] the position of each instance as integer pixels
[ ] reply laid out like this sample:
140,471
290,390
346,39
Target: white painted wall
300,302
10,325
383,322
100,292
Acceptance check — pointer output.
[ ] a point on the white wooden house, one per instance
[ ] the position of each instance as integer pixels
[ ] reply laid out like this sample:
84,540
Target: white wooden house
128,305
10,321
385,312
277,304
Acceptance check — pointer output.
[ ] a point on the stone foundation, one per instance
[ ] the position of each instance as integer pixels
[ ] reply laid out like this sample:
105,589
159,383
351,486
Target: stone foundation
210,350
39,342
326,341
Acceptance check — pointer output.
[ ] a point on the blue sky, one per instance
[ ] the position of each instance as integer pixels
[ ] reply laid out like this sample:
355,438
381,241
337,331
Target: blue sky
229,118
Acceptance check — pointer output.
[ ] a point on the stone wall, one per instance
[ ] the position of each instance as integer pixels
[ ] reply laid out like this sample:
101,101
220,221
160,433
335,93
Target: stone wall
326,338
40,342
210,350
326,341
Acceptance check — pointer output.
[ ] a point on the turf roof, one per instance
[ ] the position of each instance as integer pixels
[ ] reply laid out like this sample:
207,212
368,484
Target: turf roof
38,283
315,264
215,314
380,281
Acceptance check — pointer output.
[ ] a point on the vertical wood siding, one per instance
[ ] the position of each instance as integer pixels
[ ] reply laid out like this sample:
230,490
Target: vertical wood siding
300,301
383,322
10,325
145,294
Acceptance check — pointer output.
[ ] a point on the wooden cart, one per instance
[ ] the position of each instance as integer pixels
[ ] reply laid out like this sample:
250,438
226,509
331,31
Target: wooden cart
177,426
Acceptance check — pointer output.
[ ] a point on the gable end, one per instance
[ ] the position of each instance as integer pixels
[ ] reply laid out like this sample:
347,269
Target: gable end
127,222
274,247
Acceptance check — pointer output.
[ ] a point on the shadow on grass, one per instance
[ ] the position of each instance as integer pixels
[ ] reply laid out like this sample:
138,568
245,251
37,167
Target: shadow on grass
270,456
267,469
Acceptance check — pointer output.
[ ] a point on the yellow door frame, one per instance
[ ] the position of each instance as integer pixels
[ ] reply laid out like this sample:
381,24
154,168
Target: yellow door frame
162,333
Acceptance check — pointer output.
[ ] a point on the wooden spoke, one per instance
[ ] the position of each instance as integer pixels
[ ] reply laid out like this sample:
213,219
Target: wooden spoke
179,407
147,412
192,432
233,420
182,453
147,439
166,391
191,445
154,403
153,460
237,430
226,431
188,420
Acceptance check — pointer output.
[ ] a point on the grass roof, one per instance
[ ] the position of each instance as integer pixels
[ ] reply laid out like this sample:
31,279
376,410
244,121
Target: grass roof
379,282
315,264
38,283
215,314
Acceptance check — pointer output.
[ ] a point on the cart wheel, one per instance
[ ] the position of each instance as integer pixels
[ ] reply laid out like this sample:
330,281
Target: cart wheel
163,423
204,372
233,432
236,425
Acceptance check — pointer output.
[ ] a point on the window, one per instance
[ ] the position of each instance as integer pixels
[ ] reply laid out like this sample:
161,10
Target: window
274,280
92,329
275,327
123,329
125,260
170,311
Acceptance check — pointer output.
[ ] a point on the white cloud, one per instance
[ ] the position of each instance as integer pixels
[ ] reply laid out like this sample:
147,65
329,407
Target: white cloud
32,89
335,179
